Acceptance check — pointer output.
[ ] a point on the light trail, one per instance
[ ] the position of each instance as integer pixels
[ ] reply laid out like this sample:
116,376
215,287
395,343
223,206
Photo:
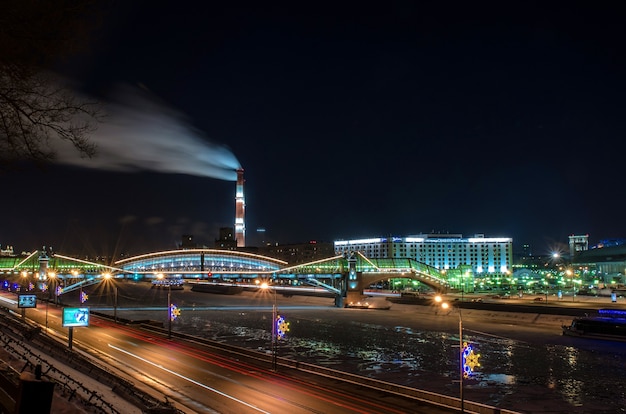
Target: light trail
189,379
311,389
10,301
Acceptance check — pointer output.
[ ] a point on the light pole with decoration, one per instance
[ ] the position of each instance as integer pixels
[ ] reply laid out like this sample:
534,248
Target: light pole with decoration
274,345
468,360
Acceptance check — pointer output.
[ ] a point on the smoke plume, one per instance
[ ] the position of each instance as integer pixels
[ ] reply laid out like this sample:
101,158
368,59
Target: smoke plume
141,133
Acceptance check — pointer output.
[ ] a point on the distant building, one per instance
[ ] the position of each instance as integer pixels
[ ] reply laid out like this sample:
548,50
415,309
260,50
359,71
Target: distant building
492,256
187,242
609,263
578,244
299,252
226,240
6,251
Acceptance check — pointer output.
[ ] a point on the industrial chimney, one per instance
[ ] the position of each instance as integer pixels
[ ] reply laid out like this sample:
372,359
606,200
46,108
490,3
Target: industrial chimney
240,211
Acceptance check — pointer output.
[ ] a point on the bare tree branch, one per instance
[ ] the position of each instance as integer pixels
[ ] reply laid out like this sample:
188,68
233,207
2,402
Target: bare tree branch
36,108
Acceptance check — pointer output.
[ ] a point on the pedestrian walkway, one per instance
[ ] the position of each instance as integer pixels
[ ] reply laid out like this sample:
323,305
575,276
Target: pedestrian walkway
74,391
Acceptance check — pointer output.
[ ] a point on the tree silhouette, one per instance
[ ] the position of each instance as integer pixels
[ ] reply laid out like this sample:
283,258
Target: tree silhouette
37,108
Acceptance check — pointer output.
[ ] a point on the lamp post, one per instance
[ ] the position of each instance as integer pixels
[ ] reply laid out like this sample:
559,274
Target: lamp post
47,317
24,279
274,345
109,276
53,276
169,311
161,276
24,287
445,305
115,304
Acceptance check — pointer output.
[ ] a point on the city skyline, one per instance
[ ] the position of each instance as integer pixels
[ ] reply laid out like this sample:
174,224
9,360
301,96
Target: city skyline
350,121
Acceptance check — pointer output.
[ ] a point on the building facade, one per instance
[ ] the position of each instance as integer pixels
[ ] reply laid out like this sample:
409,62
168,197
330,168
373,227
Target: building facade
479,255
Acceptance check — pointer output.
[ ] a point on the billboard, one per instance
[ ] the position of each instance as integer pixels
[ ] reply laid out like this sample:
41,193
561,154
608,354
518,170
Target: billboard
26,301
75,317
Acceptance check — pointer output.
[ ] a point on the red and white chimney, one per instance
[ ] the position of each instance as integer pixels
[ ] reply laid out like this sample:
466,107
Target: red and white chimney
240,211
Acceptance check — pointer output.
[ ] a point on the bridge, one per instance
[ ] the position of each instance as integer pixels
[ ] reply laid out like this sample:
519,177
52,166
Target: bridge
345,276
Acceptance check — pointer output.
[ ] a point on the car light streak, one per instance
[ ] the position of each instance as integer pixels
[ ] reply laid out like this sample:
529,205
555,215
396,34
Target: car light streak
12,302
189,379
329,395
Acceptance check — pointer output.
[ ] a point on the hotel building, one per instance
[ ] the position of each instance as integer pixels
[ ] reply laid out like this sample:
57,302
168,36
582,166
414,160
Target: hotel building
465,260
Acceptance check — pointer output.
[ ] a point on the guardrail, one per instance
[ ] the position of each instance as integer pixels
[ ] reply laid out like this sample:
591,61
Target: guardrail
17,331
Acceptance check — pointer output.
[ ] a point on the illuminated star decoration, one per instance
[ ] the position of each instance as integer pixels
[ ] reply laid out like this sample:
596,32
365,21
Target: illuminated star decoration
31,286
43,287
174,312
470,360
282,327
83,297
59,290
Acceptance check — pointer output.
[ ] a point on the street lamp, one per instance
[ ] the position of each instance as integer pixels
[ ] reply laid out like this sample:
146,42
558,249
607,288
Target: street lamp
445,305
23,287
53,277
161,276
24,276
265,286
109,276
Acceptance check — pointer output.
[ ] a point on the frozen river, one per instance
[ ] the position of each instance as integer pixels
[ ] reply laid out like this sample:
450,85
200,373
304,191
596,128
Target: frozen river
525,363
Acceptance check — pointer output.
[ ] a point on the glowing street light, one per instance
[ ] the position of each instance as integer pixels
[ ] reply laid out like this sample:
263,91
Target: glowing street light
172,311
108,276
265,286
53,277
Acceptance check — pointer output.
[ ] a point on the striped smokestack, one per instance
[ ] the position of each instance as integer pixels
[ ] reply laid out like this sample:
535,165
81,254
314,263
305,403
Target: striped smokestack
240,211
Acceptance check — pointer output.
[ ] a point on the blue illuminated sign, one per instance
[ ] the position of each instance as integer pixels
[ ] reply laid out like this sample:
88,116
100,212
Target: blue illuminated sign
75,317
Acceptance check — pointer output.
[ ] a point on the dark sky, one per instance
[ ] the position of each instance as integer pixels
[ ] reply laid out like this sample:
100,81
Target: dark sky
351,119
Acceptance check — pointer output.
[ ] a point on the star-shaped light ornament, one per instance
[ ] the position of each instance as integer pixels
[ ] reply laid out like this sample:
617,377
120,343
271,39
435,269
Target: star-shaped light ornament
470,360
282,327
174,312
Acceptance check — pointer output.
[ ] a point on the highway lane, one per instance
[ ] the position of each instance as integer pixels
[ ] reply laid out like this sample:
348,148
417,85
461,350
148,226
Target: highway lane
201,379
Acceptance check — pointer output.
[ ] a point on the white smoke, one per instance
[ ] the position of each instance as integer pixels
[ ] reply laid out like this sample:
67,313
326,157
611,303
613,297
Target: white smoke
141,133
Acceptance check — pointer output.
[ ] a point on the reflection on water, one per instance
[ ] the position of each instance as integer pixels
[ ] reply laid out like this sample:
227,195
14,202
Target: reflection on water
512,375
493,379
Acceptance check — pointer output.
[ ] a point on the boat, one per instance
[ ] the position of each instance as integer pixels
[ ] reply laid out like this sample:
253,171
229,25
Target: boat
609,324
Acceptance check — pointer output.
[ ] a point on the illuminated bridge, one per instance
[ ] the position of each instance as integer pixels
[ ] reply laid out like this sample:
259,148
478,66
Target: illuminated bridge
346,276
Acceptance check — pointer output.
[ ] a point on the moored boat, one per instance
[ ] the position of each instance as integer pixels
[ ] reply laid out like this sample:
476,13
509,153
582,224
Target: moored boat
608,324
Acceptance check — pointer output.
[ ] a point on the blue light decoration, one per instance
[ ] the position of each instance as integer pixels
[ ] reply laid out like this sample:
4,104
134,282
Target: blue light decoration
83,297
174,312
470,360
282,327
352,279
612,312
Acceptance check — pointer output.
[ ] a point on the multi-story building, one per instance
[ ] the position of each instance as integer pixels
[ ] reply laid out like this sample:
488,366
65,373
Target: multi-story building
296,253
468,258
578,244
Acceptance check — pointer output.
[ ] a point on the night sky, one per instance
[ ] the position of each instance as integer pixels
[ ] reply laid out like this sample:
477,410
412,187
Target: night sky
351,120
